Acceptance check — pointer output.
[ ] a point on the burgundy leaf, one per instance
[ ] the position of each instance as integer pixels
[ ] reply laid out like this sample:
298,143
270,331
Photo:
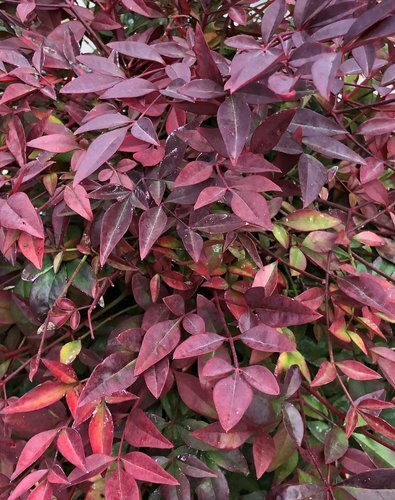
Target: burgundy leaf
113,374
269,132
332,148
357,370
312,177
116,222
252,207
144,468
99,151
293,422
194,173
155,377
151,225
141,432
279,310
324,71
215,435
144,130
197,345
33,450
271,19
263,452
209,195
232,397
265,338
127,89
158,342
234,120
202,89
55,143
121,486
194,396
71,447
261,379
138,50
77,199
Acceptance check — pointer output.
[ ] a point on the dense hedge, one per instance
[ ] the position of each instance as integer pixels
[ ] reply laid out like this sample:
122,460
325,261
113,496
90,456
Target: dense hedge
197,255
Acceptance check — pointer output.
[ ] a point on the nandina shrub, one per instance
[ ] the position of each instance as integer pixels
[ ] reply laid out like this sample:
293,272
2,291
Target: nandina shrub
196,230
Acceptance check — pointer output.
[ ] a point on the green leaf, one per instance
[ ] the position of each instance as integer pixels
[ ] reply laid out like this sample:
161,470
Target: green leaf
84,279
310,220
379,454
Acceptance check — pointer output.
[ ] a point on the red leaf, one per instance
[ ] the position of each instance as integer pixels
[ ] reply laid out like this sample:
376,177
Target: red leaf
209,196
379,425
18,213
138,50
202,88
26,483
249,66
351,421
155,377
77,199
62,372
158,342
232,397
279,310
293,422
206,66
100,150
356,370
262,379
152,223
198,344
234,120
91,82
113,374
216,367
198,399
194,173
144,130
326,374
42,492
15,91
144,468
272,17
194,324
16,140
269,132
367,290
140,432
251,207
214,435
324,71
95,464
70,446
116,222
265,338
121,486
41,396
312,176
32,248
33,450
133,87
263,450
55,143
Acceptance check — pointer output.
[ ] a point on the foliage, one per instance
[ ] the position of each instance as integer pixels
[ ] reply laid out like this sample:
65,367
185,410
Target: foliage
196,230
